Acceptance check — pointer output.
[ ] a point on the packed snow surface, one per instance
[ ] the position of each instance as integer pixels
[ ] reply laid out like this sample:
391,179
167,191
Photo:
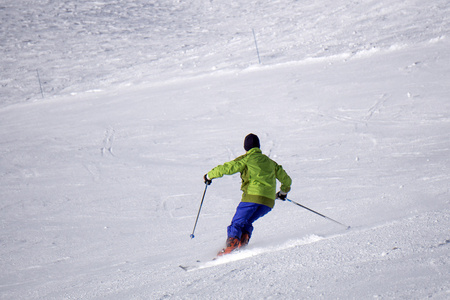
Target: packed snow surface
101,170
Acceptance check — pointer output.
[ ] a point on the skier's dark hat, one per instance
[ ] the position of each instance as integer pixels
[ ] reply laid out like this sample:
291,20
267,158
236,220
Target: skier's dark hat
251,141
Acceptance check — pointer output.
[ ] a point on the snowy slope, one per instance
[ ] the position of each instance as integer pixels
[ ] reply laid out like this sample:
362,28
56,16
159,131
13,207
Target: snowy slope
101,180
90,45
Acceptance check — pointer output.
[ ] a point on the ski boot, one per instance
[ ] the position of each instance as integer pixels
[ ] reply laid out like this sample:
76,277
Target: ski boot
231,245
245,237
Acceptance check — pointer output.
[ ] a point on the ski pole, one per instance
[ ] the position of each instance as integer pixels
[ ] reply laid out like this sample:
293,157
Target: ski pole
199,209
317,213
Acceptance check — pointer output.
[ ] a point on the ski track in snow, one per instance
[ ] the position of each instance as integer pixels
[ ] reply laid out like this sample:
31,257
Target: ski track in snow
108,142
101,181
250,252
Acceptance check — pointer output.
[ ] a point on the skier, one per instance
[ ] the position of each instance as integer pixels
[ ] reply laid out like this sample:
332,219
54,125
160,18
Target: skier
258,174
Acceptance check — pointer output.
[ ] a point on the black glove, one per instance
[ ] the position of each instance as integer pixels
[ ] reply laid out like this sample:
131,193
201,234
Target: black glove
207,181
281,195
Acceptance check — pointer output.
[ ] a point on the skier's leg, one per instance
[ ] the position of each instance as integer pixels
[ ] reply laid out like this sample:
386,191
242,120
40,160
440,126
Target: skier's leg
260,211
240,222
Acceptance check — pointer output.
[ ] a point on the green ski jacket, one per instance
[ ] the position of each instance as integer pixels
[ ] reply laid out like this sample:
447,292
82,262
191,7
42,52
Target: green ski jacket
258,174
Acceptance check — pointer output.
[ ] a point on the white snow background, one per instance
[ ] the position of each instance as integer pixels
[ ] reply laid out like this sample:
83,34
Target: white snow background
101,172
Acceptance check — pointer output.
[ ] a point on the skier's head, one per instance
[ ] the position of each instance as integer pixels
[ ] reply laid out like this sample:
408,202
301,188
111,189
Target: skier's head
251,141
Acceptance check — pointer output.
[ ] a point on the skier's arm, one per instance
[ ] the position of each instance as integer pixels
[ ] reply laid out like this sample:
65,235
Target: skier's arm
284,178
227,168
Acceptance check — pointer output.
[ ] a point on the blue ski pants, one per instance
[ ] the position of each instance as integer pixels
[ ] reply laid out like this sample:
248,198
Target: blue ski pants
246,214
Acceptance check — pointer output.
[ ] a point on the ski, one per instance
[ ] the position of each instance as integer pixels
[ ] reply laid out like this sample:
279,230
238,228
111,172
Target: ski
186,268
191,267
218,260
